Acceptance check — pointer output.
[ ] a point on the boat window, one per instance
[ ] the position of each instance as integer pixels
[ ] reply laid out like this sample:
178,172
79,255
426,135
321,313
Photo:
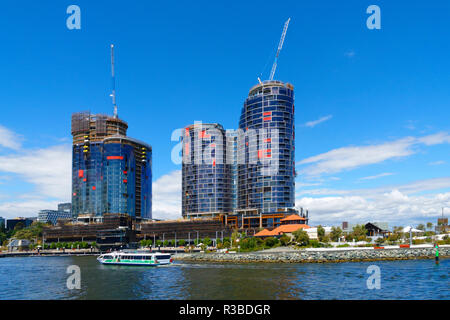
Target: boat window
163,257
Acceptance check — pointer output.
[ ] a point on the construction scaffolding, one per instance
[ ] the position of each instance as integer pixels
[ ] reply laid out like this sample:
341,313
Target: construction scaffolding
81,122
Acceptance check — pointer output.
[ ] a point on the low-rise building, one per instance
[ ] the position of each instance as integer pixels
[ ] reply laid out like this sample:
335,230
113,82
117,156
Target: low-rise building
52,216
288,226
11,223
18,245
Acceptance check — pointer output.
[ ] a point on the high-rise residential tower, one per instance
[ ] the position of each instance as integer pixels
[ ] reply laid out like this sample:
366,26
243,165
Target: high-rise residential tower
266,172
111,173
206,174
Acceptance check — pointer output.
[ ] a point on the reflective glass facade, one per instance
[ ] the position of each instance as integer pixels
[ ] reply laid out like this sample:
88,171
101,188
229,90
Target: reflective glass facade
266,149
206,176
111,174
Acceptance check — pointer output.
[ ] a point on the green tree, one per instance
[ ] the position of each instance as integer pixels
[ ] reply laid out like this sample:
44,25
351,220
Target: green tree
19,226
359,233
320,232
165,243
234,236
248,244
207,241
421,227
94,244
429,225
301,236
182,242
284,240
335,234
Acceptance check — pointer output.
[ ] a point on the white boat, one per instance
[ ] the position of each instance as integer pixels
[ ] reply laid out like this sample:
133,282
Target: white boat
135,258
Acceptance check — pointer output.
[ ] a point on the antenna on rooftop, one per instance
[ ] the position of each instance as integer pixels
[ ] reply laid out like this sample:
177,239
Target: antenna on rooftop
113,94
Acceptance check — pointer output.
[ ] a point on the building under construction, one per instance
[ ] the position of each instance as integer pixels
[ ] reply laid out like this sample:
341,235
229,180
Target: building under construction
111,173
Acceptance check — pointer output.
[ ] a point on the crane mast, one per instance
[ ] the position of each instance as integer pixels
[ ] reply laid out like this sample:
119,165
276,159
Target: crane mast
113,94
280,45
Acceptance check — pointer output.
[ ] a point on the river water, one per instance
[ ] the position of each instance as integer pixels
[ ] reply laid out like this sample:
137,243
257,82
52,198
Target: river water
46,278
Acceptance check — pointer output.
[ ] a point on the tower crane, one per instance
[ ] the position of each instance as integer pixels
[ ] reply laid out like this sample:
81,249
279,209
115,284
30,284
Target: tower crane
280,45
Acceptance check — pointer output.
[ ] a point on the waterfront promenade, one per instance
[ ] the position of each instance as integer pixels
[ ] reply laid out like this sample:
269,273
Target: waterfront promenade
320,255
51,252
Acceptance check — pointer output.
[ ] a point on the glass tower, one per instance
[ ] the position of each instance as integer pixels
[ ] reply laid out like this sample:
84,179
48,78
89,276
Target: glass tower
206,175
266,163
111,173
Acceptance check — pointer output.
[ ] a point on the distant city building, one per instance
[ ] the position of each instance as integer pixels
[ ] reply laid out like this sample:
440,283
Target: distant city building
18,245
111,173
2,222
442,225
11,223
67,207
206,175
266,160
52,216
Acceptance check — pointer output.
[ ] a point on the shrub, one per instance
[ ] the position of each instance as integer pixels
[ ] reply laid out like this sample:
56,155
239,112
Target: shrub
315,243
270,242
379,241
181,242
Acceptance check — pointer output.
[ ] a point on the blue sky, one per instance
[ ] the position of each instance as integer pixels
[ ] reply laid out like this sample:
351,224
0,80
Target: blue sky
372,106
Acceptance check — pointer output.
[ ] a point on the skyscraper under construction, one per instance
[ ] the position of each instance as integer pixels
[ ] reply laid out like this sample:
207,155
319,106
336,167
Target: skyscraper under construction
111,173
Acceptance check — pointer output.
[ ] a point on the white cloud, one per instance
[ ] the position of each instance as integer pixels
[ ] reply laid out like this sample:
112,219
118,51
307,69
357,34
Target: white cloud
437,163
9,139
314,123
395,204
167,196
385,174
48,169
25,208
348,158
433,139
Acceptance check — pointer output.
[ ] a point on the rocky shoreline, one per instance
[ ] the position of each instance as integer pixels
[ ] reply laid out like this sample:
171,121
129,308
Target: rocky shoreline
304,256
